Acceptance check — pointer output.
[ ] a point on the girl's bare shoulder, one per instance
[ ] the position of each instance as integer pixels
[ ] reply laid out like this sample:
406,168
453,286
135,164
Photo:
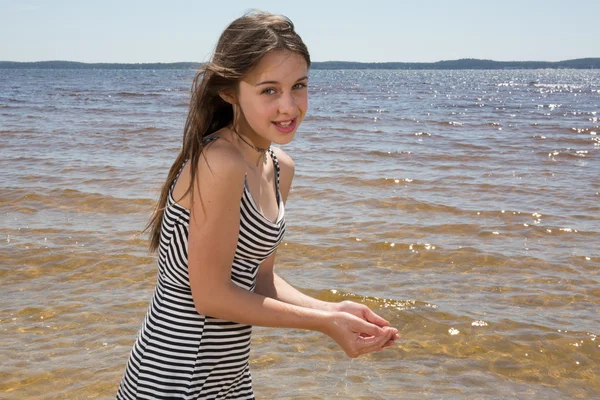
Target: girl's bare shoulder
285,162
221,159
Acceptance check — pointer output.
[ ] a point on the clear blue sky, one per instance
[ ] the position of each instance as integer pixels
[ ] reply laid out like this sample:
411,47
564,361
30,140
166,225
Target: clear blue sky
381,30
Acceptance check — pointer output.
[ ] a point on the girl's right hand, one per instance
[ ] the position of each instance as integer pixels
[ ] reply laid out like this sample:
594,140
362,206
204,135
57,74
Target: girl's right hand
357,336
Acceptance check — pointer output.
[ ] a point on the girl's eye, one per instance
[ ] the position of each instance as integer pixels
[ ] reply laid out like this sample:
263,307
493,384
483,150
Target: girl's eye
269,91
300,85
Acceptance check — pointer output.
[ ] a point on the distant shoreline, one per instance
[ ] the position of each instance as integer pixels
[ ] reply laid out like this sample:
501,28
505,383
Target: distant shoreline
465,63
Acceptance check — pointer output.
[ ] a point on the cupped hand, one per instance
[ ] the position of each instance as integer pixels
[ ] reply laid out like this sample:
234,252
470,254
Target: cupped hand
357,336
365,313
361,311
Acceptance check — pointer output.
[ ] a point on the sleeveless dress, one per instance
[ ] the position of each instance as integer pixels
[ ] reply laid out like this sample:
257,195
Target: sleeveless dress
179,353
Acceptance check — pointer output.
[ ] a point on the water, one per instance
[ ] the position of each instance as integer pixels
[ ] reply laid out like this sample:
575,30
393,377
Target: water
463,206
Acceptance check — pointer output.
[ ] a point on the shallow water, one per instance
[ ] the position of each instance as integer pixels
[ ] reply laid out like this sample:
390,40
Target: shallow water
463,206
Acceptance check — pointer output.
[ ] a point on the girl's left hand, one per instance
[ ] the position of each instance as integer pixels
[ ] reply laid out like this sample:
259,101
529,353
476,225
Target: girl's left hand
361,311
365,313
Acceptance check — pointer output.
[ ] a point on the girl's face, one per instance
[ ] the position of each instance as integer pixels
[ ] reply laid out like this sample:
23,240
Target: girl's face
273,98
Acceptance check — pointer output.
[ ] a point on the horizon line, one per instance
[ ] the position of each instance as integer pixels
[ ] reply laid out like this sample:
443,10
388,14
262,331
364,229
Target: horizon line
321,62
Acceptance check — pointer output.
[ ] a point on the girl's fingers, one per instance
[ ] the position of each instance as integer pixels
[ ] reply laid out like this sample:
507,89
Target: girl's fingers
375,319
371,344
364,327
368,337
371,341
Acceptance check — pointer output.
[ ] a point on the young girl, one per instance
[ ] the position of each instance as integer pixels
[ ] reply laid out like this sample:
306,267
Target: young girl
219,221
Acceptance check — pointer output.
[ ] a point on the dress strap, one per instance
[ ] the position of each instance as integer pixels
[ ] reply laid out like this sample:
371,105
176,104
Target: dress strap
276,164
208,139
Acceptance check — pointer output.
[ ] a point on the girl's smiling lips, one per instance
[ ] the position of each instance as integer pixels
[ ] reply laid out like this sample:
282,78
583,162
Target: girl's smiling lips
285,126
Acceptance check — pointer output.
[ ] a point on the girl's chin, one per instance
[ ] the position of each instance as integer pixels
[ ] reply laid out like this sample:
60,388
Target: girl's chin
281,140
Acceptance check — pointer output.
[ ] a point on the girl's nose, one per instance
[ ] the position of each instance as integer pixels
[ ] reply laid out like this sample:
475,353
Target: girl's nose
287,103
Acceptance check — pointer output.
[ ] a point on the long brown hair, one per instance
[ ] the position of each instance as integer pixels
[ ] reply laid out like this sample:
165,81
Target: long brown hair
239,49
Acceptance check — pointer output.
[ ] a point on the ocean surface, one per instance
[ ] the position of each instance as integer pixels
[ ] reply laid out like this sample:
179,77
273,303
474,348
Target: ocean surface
463,206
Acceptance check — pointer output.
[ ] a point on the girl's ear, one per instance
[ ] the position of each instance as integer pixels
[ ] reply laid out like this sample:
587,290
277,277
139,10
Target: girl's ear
229,96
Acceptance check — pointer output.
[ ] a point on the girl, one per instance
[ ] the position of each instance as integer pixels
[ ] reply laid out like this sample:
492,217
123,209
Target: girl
219,221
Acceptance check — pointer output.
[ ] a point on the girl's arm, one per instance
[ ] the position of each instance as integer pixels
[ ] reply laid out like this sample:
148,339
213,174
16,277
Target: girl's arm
272,285
269,284
213,232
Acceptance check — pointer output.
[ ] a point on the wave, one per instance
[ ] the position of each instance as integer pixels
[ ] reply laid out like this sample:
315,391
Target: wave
456,124
22,200
17,131
379,153
410,205
141,130
357,182
566,153
134,94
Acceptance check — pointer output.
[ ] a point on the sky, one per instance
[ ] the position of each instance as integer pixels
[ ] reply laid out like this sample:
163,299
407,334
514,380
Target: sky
132,31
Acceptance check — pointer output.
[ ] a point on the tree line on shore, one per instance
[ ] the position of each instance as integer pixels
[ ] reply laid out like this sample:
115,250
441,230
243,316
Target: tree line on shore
465,63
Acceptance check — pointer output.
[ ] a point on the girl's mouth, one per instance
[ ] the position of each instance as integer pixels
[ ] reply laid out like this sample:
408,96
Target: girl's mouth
285,126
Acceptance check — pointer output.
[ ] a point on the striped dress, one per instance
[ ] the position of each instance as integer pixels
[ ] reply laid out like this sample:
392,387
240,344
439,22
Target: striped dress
179,353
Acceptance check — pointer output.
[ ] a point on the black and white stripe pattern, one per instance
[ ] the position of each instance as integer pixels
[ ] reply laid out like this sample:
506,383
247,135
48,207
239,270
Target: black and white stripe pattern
179,353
